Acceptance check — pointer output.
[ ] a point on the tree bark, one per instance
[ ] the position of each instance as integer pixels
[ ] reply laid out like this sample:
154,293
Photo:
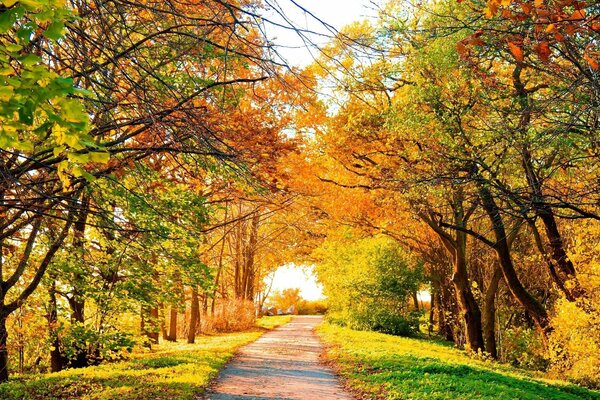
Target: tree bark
172,336
489,314
3,348
502,247
56,357
194,316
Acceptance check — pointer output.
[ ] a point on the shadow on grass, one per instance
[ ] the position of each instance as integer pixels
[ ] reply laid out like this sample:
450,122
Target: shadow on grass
428,378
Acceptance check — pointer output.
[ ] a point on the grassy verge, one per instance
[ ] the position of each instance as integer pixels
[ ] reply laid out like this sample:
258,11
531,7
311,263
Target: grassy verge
381,366
170,371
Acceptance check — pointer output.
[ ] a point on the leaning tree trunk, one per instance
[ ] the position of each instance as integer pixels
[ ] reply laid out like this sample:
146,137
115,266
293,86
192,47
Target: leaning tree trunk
468,307
502,247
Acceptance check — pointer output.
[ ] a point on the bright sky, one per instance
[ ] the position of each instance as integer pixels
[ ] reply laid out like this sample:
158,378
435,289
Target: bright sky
336,13
292,276
293,49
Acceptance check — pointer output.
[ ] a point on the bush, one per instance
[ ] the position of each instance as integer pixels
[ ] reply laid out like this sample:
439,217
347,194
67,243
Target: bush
99,346
230,316
312,307
522,347
369,284
379,320
574,344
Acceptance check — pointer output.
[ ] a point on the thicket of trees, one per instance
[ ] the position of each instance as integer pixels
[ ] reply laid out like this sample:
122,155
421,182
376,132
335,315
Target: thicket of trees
468,133
157,163
139,147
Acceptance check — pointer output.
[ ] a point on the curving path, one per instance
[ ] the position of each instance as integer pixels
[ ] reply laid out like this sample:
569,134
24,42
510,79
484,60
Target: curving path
282,364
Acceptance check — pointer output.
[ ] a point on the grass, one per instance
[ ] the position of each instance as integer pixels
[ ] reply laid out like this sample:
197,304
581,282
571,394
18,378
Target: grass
381,366
171,371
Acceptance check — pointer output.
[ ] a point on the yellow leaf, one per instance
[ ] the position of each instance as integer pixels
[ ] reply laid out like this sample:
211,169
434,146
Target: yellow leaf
78,157
99,157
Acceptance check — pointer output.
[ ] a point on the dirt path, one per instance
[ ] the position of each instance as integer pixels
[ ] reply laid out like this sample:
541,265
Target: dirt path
282,364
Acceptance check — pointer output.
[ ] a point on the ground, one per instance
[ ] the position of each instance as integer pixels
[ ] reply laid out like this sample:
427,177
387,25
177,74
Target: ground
282,364
389,367
170,371
286,363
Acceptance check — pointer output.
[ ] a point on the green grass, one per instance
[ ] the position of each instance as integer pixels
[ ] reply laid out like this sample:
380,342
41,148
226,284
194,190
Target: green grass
170,371
381,366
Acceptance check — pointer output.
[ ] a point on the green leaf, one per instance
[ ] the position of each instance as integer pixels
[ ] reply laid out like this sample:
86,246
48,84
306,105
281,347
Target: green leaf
26,112
54,30
7,20
72,111
12,47
24,33
30,60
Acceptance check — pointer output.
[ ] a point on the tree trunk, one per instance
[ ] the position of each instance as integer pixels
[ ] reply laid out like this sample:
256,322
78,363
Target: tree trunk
489,314
415,300
467,304
194,316
56,357
149,323
3,348
529,303
163,322
172,336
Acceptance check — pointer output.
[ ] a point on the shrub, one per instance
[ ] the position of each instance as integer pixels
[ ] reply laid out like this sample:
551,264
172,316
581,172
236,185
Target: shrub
230,316
574,344
99,346
312,307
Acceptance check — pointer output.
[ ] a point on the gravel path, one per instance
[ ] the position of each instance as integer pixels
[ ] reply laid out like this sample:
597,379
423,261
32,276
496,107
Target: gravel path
282,364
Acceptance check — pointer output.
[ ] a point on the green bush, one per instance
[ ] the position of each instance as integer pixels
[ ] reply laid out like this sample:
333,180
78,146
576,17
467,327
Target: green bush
98,346
370,283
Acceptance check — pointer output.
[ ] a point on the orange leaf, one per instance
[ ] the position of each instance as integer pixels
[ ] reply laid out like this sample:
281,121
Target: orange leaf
516,51
538,3
462,49
550,28
578,15
559,37
543,50
593,63
526,8
570,29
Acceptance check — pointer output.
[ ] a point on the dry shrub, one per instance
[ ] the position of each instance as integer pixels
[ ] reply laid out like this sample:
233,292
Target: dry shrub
230,316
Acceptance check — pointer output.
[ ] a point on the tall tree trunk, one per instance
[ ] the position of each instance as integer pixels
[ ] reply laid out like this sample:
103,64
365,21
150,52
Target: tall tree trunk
467,304
502,247
149,323
77,296
489,314
249,258
415,300
194,316
172,336
163,322
56,357
3,348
